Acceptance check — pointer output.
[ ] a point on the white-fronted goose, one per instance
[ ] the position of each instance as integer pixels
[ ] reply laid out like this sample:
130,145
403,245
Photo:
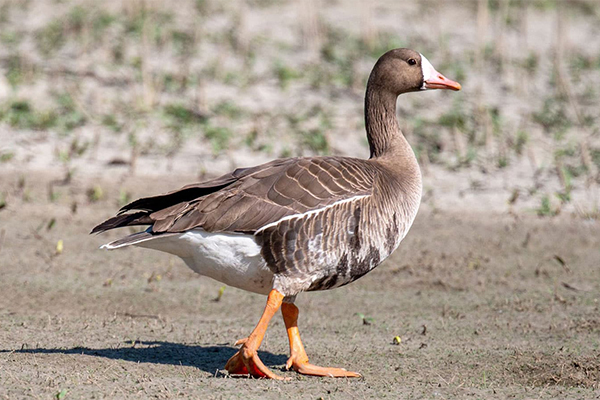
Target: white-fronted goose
298,224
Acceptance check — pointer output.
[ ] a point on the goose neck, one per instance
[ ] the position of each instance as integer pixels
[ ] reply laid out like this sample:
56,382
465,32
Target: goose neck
383,131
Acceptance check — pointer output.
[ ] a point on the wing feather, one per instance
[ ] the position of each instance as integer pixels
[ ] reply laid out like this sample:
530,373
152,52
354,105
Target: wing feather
250,198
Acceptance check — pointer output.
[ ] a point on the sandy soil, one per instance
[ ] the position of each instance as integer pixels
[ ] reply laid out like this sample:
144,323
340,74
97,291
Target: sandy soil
486,306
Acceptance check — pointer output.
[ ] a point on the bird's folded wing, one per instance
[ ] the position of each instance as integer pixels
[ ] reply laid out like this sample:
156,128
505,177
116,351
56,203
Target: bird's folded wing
250,198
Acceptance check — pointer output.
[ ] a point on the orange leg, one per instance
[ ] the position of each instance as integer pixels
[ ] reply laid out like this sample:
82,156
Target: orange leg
246,360
298,358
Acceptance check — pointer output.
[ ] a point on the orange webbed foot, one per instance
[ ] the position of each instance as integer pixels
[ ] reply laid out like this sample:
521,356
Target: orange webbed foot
247,362
305,368
298,358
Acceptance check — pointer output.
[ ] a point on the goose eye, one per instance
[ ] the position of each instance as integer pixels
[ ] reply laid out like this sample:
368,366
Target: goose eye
412,61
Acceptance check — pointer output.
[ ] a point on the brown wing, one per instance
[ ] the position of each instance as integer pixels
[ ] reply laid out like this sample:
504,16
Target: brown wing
250,198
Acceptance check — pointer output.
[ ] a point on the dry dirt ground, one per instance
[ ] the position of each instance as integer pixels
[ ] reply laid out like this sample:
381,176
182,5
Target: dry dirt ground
486,306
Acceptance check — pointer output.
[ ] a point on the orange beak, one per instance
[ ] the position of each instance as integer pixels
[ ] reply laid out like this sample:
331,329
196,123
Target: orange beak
439,81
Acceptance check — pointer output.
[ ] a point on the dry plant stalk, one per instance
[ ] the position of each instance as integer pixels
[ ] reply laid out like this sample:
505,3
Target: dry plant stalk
148,89
200,97
459,145
560,171
586,160
368,31
523,86
489,135
501,50
482,26
424,161
241,29
532,160
312,35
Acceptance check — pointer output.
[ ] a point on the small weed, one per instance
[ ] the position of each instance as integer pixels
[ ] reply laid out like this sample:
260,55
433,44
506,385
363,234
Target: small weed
564,197
14,74
19,70
228,109
285,74
183,42
100,21
545,209
250,139
470,157
78,148
6,156
503,162
203,6
552,118
124,198
76,19
365,320
591,214
496,118
135,22
63,156
218,136
315,140
383,42
95,193
4,12
20,114
454,118
595,155
520,142
530,64
117,51
285,152
61,395
428,138
111,122
51,38
180,115
172,84
53,195
26,196
68,115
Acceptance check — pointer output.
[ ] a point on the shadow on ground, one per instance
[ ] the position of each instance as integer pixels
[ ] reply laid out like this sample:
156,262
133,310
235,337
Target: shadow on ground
211,359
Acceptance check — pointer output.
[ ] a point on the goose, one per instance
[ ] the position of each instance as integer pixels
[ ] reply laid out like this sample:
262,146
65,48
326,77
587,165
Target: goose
297,224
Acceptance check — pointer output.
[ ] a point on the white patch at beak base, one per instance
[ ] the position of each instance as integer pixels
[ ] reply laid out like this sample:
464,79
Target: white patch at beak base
428,70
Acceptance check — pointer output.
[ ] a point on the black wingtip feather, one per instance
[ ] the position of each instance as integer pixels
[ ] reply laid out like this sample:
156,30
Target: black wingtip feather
187,193
148,205
138,218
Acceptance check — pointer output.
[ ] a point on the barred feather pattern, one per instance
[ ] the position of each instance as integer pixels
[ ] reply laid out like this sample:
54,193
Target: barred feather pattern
339,244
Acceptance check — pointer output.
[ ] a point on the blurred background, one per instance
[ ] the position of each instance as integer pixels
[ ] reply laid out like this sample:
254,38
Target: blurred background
102,92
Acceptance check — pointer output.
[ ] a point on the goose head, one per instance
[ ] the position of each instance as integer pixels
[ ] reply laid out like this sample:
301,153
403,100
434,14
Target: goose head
405,70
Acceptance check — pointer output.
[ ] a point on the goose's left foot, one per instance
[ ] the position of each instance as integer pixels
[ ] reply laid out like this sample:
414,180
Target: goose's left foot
298,358
247,362
306,368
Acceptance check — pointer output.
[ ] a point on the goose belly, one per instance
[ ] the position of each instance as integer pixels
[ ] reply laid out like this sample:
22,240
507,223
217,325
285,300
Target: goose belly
230,258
